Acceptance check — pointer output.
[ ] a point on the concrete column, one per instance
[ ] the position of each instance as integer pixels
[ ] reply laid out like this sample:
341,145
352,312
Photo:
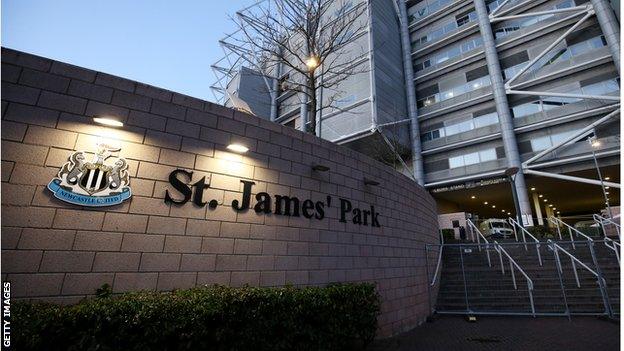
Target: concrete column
502,105
538,209
610,28
549,212
410,91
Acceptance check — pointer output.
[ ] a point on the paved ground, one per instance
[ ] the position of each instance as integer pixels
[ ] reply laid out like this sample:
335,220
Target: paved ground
507,333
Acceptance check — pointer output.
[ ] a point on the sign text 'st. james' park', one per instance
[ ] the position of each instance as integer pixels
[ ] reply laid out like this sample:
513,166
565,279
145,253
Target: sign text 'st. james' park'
265,203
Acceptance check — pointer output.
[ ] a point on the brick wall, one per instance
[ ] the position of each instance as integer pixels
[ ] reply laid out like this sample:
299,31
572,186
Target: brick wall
55,251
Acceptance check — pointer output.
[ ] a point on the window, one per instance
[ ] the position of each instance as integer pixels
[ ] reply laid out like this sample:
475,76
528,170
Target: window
455,91
283,84
461,20
543,143
486,120
454,51
428,101
460,127
434,134
457,161
487,155
472,158
291,123
526,109
601,88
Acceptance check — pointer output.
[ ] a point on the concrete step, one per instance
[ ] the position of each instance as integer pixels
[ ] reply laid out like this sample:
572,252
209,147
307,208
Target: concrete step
490,290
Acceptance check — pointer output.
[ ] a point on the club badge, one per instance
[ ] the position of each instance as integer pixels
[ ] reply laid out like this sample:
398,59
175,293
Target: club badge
93,183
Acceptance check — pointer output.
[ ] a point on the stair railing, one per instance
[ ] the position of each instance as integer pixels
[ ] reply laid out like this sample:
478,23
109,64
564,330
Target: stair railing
512,263
479,234
601,221
602,284
556,221
435,274
615,246
525,232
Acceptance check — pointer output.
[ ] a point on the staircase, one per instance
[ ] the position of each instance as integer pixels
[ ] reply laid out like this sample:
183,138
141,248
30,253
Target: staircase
478,288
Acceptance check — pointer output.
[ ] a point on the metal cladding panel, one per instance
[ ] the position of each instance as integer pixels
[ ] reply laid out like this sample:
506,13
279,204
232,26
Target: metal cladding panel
254,91
390,99
346,124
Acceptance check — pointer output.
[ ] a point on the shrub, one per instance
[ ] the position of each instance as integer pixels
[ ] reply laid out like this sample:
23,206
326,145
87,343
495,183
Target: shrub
335,317
540,231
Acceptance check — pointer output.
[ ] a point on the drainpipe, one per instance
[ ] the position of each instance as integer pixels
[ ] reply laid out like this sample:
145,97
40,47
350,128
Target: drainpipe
275,88
410,91
610,28
502,106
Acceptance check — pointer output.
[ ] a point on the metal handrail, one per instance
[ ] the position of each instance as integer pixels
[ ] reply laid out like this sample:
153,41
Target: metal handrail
479,234
514,223
614,248
573,259
602,284
512,264
435,274
556,221
601,220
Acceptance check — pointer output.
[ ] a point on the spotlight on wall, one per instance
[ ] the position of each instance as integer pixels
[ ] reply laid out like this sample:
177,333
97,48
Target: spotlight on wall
320,168
108,121
370,182
238,148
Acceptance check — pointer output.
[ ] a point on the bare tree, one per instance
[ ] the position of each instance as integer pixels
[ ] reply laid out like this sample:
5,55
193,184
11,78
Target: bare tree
311,40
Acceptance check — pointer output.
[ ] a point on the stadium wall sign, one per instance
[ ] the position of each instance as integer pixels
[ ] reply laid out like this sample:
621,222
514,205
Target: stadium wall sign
265,203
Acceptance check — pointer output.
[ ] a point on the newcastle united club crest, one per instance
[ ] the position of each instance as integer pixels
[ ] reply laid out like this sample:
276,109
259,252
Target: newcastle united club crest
94,183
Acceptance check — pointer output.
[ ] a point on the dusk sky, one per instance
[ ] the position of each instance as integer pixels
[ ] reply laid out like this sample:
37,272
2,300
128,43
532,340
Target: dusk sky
169,44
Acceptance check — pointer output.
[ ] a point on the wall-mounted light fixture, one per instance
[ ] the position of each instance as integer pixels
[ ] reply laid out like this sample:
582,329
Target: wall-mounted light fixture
320,168
370,182
241,149
108,121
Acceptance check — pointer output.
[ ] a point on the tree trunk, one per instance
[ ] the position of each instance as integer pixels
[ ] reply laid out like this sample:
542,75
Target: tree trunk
312,104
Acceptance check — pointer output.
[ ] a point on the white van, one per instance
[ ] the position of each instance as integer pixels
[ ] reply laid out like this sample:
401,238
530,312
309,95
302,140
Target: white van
496,228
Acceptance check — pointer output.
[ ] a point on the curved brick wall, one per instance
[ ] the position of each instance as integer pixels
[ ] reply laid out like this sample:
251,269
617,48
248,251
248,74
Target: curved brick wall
62,252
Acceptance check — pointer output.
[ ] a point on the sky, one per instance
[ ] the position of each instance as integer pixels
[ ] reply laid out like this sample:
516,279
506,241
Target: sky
166,43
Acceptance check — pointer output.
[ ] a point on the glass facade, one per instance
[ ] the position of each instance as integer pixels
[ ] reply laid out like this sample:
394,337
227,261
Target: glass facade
455,91
544,142
511,26
442,30
546,103
460,127
454,51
